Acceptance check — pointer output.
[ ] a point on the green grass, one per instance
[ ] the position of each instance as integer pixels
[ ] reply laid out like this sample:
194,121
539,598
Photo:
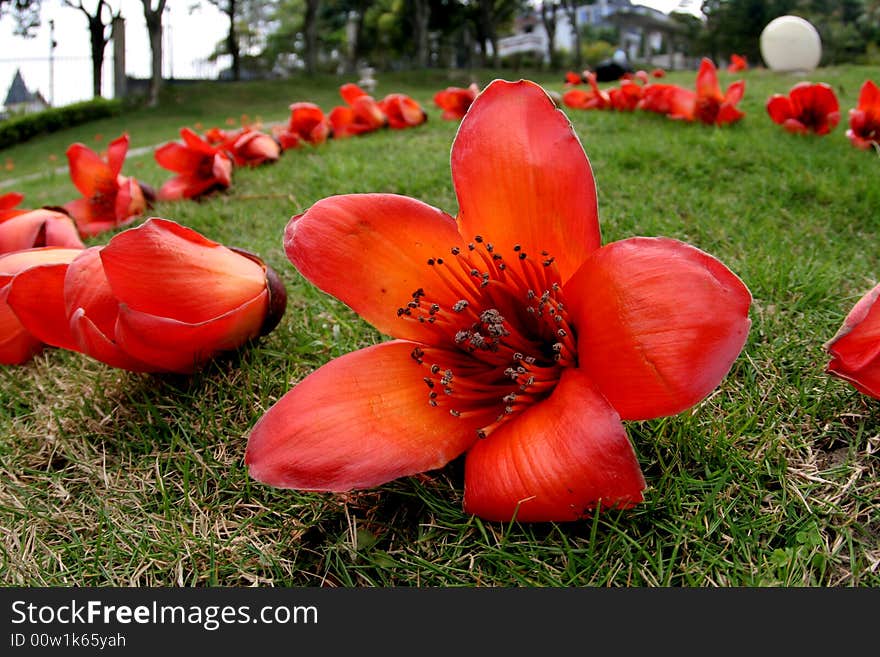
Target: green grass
113,478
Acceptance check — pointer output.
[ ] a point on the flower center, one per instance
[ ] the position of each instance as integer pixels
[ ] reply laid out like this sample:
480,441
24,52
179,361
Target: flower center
707,109
502,345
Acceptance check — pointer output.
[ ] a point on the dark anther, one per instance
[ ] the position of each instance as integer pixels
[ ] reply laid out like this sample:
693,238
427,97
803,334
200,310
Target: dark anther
435,308
431,261
490,247
481,434
475,273
418,293
561,333
417,354
509,398
454,413
522,256
478,239
517,356
517,247
428,381
545,253
435,369
460,305
471,246
412,304
400,311
548,262
439,261
455,250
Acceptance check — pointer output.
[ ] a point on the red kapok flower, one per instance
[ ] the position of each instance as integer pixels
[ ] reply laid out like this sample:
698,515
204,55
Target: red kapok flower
737,63
8,202
855,349
248,146
572,78
109,199
17,343
864,120
360,114
595,98
157,298
402,111
708,105
307,123
519,339
658,73
808,107
35,228
455,101
200,167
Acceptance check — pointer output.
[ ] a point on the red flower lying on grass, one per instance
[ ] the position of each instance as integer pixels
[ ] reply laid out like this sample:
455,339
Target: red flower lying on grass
595,98
572,78
707,104
109,199
855,350
864,120
200,167
17,344
307,123
402,111
737,63
360,114
157,298
455,101
27,229
520,341
808,107
248,146
8,203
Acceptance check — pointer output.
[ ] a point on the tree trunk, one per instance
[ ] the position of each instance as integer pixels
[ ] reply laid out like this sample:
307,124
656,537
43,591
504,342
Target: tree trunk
422,11
487,19
355,47
548,18
153,18
571,10
310,34
232,41
98,42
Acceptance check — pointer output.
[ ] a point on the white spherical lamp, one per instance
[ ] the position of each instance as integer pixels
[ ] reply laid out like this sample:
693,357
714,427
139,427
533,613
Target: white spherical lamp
790,44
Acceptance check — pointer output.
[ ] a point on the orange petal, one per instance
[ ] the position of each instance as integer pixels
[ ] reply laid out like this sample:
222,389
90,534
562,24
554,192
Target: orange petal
371,252
88,172
522,177
556,461
659,324
359,421
351,92
165,269
17,345
177,157
36,296
93,342
171,345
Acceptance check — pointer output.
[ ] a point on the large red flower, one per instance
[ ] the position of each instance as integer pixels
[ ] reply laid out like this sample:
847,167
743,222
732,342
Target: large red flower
595,98
248,146
157,298
864,120
307,123
855,349
808,107
518,338
455,101
200,167
35,228
360,114
109,199
707,104
17,343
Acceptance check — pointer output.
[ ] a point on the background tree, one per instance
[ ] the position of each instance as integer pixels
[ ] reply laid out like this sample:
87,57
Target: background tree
26,14
548,11
99,35
570,7
230,8
153,18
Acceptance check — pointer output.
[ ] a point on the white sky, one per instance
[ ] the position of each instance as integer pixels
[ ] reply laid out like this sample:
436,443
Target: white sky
191,38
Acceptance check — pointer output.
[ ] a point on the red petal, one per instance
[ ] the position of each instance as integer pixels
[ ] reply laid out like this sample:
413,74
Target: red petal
371,252
858,340
522,177
359,421
659,324
779,108
88,172
556,461
10,200
351,92
17,346
38,228
97,345
36,296
707,80
177,157
165,269
116,151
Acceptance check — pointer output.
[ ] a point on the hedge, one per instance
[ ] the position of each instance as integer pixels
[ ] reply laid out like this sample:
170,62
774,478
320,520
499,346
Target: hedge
21,128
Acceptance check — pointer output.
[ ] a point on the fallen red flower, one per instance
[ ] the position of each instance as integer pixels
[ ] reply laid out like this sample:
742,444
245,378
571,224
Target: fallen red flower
110,200
520,340
855,349
402,111
595,98
737,63
248,146
707,104
455,101
17,344
201,167
572,78
157,298
35,228
864,120
307,123
360,114
8,203
808,107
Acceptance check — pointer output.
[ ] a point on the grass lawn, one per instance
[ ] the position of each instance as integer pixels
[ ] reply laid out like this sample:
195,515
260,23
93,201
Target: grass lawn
114,478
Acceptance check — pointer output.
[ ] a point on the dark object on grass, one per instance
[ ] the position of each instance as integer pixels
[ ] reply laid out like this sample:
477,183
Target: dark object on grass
612,69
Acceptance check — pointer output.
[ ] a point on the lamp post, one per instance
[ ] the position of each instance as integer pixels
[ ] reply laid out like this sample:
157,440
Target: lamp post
52,45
